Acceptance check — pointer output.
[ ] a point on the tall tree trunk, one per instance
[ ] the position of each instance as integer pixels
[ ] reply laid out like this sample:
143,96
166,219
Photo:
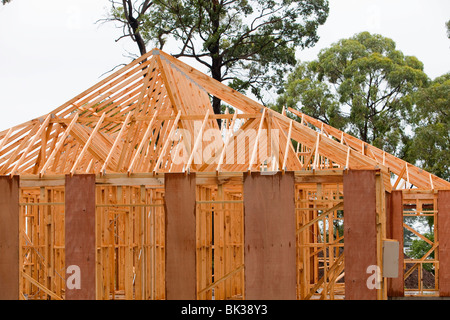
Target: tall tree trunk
216,74
134,25
216,103
365,135
214,49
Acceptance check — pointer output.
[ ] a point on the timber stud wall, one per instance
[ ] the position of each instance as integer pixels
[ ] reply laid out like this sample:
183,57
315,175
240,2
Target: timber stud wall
141,231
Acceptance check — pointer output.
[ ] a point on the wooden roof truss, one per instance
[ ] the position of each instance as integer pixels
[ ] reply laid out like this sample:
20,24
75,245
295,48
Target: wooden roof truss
157,107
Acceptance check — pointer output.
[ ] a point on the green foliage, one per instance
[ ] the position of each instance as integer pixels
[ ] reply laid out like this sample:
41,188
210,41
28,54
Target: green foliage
420,247
362,84
430,147
447,24
249,43
316,97
5,1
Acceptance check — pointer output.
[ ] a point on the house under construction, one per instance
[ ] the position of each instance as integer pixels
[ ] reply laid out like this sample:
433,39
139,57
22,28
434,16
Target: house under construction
135,189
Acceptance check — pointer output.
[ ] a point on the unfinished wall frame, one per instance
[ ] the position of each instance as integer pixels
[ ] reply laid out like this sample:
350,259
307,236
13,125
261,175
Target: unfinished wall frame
130,236
320,239
421,273
220,241
131,242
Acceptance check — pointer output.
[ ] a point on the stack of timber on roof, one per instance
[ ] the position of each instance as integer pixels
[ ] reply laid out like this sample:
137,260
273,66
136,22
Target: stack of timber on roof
139,118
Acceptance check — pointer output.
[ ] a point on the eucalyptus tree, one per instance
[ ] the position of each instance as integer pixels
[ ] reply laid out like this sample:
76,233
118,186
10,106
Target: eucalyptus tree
249,44
430,145
362,84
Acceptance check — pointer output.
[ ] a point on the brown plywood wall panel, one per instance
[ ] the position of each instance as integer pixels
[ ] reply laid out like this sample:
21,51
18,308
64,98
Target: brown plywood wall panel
80,236
9,238
394,211
269,224
360,233
444,242
180,234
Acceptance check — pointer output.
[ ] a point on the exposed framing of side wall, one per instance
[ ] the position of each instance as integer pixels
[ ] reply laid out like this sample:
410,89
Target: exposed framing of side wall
130,237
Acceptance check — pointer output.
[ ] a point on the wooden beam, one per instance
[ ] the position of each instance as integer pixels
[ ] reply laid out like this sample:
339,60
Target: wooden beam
32,142
143,141
224,278
198,140
347,161
339,206
44,140
407,173
255,147
293,162
171,88
145,85
59,145
86,146
166,143
399,177
5,139
89,167
419,261
116,142
313,151
416,233
229,134
41,287
17,142
316,154
288,144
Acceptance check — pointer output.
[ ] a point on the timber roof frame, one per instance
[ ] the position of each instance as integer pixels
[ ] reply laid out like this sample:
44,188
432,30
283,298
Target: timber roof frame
138,118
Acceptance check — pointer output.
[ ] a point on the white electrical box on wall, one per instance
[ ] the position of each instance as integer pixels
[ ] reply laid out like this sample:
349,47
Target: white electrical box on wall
390,258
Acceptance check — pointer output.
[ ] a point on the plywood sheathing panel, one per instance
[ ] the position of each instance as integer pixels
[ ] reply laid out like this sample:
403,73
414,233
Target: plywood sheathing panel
180,236
270,237
80,226
360,233
9,238
444,242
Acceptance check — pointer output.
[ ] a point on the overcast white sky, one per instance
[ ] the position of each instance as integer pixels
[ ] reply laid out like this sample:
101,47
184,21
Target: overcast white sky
51,50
